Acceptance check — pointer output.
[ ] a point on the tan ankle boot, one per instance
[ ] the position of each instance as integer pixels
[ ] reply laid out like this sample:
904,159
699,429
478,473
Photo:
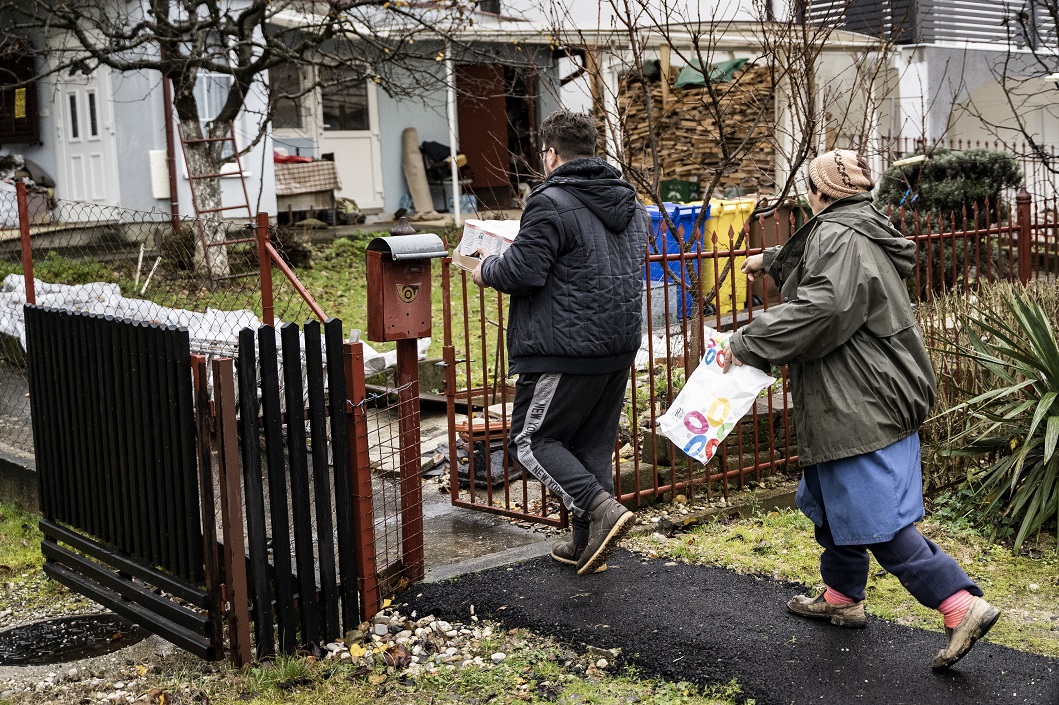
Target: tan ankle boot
850,616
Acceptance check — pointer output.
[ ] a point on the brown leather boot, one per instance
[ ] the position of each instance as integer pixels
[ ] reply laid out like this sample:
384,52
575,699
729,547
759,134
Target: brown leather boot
609,521
570,551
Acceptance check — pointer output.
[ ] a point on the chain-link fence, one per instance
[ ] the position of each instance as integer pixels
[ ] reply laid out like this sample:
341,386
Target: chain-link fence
145,266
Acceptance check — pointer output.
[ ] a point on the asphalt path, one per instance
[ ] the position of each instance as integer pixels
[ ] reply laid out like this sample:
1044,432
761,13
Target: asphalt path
708,625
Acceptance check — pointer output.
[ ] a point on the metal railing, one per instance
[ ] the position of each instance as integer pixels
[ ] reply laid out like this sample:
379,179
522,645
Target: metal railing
955,255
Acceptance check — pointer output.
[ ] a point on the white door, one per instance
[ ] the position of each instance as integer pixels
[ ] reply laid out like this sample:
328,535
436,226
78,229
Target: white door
85,140
351,133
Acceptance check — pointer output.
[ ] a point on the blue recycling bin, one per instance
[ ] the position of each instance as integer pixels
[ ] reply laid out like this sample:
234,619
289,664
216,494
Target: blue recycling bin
683,216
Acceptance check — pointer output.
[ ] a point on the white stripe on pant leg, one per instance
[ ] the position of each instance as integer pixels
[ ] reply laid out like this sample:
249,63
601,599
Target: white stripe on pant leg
543,392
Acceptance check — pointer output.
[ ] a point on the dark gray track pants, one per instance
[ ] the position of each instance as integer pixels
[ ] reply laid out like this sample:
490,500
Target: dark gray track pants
563,429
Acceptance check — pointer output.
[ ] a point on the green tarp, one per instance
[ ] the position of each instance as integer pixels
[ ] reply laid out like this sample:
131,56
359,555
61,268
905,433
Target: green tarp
692,76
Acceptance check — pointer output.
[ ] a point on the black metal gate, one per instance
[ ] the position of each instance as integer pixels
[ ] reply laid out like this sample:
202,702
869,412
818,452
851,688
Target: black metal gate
114,431
208,500
309,525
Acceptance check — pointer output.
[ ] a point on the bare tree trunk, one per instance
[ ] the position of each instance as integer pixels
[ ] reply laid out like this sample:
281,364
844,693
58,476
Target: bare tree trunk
211,255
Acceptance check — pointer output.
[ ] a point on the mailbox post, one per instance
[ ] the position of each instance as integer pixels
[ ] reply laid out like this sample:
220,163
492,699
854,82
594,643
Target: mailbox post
399,296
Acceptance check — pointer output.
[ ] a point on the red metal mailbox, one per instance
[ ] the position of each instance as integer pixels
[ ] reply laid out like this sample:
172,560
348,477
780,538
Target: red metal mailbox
399,286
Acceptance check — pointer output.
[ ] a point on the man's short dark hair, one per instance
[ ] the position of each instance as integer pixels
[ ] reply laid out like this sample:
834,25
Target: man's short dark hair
570,134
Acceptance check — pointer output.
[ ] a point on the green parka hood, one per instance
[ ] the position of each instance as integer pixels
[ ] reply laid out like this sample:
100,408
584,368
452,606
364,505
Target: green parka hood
858,213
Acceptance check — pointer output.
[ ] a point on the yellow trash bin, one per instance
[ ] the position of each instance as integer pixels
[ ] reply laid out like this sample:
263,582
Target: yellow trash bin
727,218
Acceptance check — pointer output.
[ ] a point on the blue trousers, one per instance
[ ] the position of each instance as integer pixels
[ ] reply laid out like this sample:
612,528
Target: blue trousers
930,574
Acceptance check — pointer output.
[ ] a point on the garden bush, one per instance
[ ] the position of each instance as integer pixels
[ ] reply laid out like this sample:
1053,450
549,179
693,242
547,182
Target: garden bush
998,361
952,191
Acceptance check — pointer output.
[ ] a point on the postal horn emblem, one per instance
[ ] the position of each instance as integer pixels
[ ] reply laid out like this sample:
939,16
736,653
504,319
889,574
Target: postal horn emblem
408,292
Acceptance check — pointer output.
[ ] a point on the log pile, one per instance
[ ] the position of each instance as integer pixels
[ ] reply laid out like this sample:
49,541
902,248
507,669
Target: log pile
690,131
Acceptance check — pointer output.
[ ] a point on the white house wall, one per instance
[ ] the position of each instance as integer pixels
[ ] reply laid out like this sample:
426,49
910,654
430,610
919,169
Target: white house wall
139,128
977,91
915,93
427,115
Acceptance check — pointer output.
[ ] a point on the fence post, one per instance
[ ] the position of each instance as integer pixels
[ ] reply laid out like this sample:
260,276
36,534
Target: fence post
27,248
411,482
360,475
264,263
227,446
214,578
1022,203
408,424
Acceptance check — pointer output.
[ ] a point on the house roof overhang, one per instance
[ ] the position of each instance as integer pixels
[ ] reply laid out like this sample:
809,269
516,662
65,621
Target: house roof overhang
723,36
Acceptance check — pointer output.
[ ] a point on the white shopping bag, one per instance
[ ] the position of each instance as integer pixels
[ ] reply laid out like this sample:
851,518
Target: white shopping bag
711,402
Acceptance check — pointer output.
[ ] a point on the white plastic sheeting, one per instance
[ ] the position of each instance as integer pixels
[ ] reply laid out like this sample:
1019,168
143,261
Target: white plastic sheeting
658,349
213,333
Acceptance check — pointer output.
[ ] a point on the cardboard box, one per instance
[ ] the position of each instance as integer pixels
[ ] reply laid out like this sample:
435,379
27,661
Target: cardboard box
463,261
493,235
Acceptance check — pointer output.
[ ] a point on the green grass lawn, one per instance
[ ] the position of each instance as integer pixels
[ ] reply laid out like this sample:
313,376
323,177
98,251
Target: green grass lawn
19,543
536,670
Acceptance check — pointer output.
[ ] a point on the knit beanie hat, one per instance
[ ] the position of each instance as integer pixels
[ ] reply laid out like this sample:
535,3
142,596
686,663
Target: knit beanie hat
840,173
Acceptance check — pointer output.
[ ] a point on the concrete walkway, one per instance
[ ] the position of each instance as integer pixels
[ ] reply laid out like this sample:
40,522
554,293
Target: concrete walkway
457,540
708,625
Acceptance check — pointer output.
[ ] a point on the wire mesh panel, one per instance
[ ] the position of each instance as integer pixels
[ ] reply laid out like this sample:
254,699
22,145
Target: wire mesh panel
136,265
384,449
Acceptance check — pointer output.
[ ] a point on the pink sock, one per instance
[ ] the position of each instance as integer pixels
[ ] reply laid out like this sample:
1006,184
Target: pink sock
834,597
955,607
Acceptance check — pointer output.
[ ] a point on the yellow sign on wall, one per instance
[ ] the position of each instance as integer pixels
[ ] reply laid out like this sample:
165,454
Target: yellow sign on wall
20,103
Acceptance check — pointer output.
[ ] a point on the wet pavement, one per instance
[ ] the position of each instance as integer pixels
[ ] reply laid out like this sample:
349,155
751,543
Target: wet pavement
459,540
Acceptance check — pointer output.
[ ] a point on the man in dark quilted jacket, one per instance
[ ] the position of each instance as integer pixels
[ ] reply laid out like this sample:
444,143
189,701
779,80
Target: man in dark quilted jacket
574,274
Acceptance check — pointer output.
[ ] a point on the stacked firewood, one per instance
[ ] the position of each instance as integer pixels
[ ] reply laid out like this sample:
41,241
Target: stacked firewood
692,128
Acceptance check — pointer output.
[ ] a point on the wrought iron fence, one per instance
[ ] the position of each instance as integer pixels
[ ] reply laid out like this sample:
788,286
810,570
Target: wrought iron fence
703,286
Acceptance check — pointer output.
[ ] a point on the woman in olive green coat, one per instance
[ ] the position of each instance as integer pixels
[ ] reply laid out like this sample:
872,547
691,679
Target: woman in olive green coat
862,386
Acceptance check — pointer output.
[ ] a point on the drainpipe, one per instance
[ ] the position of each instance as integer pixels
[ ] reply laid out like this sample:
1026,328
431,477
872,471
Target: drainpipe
610,108
170,153
450,79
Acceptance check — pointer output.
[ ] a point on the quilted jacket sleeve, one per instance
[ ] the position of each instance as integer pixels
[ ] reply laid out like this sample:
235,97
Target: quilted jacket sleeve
527,263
